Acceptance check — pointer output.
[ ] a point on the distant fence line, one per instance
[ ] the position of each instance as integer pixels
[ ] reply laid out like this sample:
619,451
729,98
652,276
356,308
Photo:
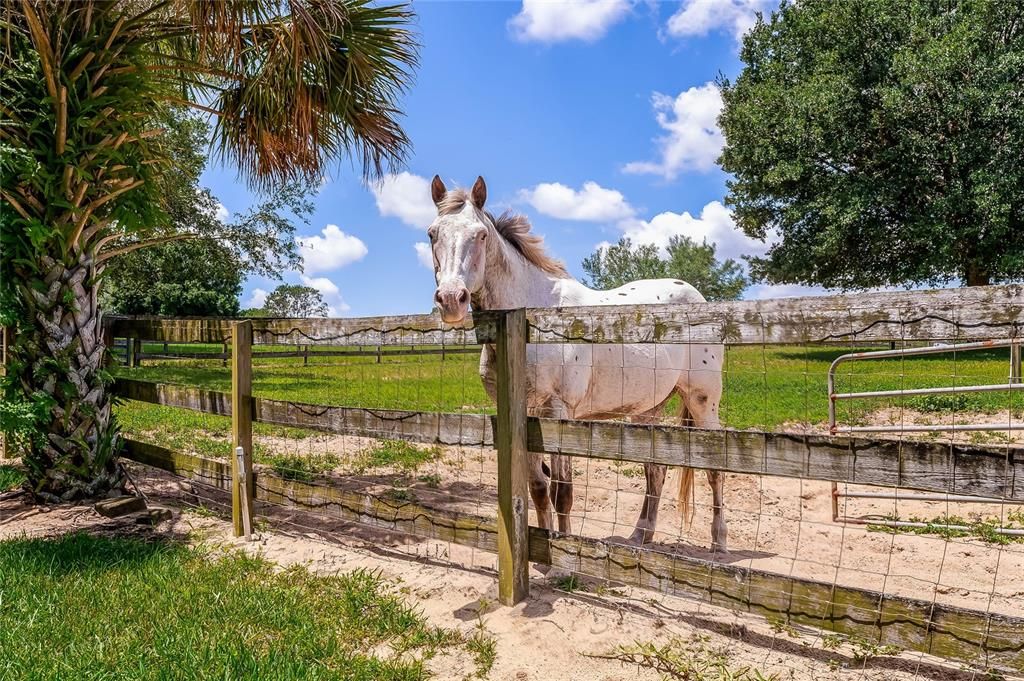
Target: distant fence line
963,469
134,353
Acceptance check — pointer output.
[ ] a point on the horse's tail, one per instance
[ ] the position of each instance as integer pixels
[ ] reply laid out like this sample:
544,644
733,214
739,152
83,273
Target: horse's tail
684,502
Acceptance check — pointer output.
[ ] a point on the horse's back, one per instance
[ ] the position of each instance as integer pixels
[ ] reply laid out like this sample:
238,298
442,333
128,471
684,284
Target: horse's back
599,380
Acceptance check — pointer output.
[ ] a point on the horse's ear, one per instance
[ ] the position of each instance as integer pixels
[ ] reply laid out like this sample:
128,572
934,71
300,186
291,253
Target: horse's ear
479,193
437,189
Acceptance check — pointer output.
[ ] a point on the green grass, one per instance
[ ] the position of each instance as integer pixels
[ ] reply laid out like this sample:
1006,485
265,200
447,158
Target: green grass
10,477
84,607
764,387
304,467
398,454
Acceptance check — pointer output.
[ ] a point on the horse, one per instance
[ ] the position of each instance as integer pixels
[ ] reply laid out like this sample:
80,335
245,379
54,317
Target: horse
494,263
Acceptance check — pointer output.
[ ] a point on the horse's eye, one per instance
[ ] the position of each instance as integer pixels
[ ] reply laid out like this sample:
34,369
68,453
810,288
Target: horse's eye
483,235
432,233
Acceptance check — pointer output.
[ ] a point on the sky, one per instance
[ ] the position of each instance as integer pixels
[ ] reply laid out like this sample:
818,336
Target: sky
595,118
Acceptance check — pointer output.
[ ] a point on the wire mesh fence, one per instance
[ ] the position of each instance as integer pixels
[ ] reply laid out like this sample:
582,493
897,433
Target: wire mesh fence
904,536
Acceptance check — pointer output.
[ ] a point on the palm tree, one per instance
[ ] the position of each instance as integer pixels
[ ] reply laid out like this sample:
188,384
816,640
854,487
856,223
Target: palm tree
86,91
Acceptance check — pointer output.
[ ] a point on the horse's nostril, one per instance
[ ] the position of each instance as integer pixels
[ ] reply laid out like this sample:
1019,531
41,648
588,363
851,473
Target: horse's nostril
463,297
437,297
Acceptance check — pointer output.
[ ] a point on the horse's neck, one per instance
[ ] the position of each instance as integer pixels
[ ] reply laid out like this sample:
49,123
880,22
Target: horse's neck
512,281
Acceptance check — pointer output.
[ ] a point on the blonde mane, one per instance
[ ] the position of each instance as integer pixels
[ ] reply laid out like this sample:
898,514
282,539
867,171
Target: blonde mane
514,229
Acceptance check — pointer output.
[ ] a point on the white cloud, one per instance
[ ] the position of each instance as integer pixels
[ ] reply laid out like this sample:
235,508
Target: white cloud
424,255
714,225
331,250
406,197
592,203
700,17
552,21
331,295
221,213
258,298
693,140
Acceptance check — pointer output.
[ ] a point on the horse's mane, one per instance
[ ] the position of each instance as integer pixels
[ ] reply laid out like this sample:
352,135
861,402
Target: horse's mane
514,228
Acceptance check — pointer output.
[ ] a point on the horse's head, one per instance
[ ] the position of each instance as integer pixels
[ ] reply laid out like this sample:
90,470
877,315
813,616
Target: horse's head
457,240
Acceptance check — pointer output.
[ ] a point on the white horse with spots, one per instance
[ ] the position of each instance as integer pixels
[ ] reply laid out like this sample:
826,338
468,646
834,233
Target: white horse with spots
496,263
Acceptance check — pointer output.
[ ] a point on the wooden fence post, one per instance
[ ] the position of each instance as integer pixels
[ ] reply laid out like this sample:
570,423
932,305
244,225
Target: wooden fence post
132,349
1015,367
513,480
241,424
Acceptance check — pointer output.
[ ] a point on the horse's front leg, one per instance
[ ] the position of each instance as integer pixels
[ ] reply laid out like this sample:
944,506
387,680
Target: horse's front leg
539,476
561,490
648,519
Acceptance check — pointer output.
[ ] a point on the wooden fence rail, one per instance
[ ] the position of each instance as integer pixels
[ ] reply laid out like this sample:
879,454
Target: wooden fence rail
975,313
988,640
133,355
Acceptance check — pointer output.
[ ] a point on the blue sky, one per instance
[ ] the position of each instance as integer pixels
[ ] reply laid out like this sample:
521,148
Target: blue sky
595,118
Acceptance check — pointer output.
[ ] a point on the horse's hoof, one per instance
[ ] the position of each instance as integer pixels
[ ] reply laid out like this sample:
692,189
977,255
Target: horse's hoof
719,548
641,537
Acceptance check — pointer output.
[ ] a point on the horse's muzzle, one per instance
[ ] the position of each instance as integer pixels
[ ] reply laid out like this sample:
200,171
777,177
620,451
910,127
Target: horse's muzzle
453,302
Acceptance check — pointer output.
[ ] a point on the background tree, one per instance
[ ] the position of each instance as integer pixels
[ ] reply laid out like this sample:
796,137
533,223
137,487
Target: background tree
882,141
87,90
293,300
687,260
203,275
197,277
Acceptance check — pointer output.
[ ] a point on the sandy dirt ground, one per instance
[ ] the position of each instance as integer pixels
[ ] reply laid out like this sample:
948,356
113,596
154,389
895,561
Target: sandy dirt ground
776,524
553,635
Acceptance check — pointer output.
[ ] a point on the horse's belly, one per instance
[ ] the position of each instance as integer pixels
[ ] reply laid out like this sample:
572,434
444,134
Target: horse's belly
605,380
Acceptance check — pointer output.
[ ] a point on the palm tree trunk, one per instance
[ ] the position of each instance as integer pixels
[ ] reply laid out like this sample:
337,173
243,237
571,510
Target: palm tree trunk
59,356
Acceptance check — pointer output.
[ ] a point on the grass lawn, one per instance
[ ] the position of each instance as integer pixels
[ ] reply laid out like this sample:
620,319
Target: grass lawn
85,607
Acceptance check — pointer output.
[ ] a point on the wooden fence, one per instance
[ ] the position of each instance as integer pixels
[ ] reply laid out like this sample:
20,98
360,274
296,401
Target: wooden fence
986,639
134,352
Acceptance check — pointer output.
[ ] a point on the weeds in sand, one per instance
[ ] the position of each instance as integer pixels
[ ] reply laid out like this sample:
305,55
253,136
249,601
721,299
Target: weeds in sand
399,454
484,650
977,527
304,467
691,660
864,650
780,626
431,480
569,583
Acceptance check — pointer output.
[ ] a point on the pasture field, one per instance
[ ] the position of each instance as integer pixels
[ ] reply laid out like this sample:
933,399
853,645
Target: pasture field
764,387
92,607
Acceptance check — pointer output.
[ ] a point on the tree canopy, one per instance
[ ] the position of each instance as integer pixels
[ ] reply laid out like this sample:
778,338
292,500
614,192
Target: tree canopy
294,300
880,141
685,259
202,273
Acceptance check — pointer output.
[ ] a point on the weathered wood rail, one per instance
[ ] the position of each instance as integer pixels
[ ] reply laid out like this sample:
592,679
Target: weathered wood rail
958,468
976,313
988,640
379,352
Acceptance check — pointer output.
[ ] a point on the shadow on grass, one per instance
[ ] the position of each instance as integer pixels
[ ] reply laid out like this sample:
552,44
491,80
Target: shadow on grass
82,552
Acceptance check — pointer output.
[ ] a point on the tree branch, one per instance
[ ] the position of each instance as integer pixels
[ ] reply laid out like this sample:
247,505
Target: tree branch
146,243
